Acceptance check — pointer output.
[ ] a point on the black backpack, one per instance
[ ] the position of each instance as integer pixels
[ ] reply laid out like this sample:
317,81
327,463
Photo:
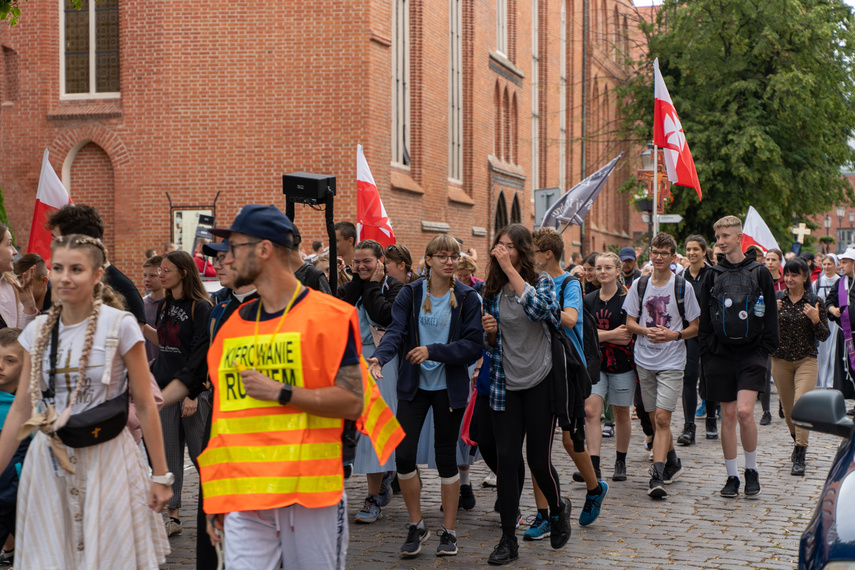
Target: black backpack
679,294
590,336
733,295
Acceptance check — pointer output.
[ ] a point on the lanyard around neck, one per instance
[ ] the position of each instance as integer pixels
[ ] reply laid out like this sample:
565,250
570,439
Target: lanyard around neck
278,325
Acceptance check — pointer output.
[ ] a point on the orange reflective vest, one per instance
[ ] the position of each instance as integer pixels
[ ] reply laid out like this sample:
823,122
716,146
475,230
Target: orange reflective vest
262,455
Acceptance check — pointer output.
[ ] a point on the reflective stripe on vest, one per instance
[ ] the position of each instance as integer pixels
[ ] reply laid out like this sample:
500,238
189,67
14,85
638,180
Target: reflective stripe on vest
262,455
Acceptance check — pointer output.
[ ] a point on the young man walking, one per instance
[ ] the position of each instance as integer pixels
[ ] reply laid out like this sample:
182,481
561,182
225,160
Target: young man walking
738,332
656,309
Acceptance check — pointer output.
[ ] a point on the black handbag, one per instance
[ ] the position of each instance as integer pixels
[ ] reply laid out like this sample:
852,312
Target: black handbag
106,420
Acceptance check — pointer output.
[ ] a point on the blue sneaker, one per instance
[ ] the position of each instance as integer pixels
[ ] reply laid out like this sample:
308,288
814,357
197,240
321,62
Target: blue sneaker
385,494
370,512
591,510
702,409
538,530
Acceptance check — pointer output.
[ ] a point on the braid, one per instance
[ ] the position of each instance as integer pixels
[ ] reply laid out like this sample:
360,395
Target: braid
38,351
427,304
91,326
452,301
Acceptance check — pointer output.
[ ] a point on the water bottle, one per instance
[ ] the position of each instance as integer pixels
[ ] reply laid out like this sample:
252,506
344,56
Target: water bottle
760,307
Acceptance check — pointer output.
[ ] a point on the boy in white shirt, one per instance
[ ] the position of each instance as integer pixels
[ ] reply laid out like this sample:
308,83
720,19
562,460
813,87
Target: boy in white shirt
658,319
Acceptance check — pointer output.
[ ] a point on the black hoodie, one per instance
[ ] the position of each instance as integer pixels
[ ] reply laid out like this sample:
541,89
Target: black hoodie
765,344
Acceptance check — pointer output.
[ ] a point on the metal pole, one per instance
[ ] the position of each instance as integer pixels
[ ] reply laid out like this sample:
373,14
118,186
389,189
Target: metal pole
655,189
584,133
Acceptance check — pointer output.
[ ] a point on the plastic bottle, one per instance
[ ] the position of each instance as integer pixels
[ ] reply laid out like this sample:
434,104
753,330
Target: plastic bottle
760,307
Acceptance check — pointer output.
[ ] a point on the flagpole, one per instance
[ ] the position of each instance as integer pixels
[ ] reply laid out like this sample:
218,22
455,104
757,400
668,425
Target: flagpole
655,189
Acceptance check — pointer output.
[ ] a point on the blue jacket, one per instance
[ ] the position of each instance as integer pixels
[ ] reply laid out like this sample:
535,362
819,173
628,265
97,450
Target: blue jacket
463,347
9,477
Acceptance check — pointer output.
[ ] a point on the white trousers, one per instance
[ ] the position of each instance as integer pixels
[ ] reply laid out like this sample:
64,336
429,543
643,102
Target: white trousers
292,537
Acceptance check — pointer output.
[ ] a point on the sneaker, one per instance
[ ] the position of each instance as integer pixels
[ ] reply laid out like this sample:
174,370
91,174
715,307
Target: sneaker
538,530
520,519
7,557
385,494
672,471
591,510
702,409
608,430
560,525
731,488
489,480
467,498
766,419
648,443
447,543
752,483
712,428
688,435
416,537
577,476
620,470
657,485
370,512
173,527
505,552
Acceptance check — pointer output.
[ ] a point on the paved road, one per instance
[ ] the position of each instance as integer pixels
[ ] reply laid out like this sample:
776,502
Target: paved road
693,528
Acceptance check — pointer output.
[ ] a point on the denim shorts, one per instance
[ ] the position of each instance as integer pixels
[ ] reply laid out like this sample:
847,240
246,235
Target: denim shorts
620,387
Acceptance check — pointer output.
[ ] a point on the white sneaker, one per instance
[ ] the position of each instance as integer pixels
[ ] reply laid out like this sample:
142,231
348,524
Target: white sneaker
489,481
173,527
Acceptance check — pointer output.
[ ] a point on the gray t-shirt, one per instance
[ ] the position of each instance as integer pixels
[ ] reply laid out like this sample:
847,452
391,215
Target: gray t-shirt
526,350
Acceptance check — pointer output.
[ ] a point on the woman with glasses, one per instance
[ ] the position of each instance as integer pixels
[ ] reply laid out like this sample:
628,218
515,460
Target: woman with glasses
373,292
182,338
399,263
521,312
436,325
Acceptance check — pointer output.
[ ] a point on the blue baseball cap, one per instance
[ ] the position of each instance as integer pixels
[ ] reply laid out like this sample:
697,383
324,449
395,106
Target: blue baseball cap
627,253
212,249
262,222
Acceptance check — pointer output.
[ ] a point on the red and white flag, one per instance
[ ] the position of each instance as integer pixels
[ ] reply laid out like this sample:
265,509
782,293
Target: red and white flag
756,232
371,219
51,196
668,135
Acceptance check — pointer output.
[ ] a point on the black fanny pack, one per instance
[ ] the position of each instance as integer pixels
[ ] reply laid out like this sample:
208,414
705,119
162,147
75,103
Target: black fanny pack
106,420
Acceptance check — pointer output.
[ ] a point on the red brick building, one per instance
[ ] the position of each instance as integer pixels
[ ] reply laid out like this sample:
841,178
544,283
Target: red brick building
463,107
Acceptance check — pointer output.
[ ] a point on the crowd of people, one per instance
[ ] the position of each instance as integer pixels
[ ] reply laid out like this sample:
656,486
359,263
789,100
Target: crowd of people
267,383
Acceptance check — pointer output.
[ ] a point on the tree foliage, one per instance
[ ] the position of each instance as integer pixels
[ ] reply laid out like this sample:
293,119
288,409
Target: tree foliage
764,91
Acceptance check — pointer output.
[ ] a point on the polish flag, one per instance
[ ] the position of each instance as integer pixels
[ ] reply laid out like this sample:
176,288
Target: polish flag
51,196
756,232
668,135
371,219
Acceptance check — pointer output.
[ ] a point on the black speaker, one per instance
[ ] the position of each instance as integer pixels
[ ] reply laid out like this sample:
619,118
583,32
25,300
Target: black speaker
307,187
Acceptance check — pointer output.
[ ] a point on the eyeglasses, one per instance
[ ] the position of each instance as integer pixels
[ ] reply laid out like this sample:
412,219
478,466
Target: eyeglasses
164,271
218,260
444,258
660,253
232,245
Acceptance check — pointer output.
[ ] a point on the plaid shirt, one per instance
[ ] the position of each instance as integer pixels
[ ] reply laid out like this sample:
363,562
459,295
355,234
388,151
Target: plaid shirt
540,304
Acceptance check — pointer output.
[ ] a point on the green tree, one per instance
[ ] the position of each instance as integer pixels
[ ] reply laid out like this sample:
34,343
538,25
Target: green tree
4,219
764,91
10,10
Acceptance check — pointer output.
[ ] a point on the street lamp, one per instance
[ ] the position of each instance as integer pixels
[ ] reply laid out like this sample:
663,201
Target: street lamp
827,224
647,165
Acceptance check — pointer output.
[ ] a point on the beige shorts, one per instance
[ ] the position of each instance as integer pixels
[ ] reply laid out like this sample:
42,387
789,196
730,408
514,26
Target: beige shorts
660,389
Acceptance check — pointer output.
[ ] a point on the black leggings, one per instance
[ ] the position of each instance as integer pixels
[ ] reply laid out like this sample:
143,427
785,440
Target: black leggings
767,393
446,430
643,416
690,380
527,415
487,441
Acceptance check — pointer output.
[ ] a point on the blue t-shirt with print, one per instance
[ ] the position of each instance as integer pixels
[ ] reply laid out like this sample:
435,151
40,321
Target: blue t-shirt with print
433,329
573,300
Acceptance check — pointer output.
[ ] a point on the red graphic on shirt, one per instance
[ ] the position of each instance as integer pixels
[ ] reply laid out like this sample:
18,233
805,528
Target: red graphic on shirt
603,317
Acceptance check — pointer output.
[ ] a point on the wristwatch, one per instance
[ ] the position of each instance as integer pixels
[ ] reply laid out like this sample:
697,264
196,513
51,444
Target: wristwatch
679,335
285,394
166,479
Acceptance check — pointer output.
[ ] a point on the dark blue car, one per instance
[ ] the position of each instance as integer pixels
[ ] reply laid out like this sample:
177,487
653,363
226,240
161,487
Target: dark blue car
828,543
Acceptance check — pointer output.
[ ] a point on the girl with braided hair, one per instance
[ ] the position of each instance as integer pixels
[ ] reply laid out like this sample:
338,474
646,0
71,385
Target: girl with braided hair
85,507
436,324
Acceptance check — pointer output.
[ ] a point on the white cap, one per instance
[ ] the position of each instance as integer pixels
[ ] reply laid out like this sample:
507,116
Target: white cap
848,254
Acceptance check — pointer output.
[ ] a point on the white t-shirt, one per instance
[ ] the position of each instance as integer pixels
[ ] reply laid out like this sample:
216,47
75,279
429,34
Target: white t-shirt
92,392
660,308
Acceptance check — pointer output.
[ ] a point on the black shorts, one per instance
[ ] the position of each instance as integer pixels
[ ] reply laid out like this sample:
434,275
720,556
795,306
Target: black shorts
7,522
576,430
726,376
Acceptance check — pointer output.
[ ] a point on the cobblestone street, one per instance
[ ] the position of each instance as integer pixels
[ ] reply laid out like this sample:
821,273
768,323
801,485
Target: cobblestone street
693,528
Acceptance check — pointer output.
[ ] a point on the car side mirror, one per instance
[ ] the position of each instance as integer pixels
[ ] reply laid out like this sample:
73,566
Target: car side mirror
823,411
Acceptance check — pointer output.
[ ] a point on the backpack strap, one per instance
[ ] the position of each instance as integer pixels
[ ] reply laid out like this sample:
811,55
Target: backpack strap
111,345
643,281
680,294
